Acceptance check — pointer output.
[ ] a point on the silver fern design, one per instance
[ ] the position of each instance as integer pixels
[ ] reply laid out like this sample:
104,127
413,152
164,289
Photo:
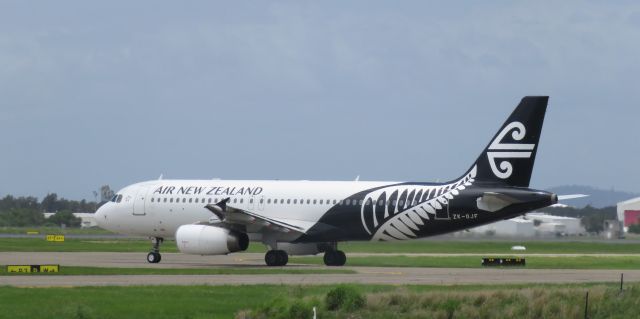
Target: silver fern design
399,212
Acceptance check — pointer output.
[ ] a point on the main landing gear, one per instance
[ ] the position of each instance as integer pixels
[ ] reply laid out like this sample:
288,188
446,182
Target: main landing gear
154,256
276,258
334,258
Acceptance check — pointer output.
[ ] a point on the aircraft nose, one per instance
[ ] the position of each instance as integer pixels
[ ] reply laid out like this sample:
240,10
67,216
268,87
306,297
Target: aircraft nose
101,216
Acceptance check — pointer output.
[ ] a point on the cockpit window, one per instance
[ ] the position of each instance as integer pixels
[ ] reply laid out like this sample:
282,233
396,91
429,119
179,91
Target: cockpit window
113,199
119,198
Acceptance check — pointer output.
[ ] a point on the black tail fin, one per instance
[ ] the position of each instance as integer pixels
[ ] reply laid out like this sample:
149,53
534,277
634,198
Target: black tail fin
509,157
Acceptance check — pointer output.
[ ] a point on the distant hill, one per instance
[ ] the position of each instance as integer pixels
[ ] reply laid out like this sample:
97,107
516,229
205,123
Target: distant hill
597,197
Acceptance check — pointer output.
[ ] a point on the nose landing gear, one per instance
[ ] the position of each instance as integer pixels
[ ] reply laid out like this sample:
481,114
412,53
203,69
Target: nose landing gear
154,256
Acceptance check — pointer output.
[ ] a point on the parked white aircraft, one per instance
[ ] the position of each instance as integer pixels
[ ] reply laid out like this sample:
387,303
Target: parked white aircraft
211,217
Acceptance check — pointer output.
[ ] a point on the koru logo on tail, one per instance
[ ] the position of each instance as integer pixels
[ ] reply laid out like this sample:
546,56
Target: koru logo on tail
500,150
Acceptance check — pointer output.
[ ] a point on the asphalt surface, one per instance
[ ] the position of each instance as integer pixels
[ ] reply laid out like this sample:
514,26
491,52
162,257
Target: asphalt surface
368,275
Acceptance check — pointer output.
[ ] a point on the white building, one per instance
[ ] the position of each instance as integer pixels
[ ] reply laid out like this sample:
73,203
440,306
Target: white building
557,224
87,219
516,227
629,212
547,225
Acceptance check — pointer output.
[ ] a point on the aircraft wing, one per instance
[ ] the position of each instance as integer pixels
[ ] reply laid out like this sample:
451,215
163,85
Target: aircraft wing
232,217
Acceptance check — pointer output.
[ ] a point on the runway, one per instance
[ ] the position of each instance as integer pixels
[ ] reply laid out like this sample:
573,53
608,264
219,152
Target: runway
365,275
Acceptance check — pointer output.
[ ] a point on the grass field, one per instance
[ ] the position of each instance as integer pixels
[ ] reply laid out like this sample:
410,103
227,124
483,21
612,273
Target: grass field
534,262
415,246
492,247
73,270
55,230
493,301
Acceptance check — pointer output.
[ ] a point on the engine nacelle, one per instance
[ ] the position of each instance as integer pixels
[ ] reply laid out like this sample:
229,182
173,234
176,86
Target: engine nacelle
209,240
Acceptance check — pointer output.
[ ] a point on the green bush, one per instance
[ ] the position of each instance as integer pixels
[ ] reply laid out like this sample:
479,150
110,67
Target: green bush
344,297
281,308
635,228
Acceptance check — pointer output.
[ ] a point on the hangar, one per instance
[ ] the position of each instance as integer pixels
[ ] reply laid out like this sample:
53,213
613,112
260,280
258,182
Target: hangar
629,212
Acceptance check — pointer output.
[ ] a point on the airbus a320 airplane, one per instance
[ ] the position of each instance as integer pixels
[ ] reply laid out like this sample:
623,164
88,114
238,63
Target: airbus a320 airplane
213,217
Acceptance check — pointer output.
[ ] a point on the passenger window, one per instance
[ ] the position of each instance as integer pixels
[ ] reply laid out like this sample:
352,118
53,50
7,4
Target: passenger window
268,200
308,201
321,202
282,201
152,199
251,201
295,201
360,202
314,202
209,201
288,201
171,200
235,200
261,200
190,200
334,202
241,200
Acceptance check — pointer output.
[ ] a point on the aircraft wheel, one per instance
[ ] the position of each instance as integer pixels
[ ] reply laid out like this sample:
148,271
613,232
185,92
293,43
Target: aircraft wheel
276,258
335,258
271,258
154,257
283,257
342,258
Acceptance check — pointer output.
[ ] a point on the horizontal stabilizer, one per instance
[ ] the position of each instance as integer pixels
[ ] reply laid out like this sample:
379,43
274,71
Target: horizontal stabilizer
573,196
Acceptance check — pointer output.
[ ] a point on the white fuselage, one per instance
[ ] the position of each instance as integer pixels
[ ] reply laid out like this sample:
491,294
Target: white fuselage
158,208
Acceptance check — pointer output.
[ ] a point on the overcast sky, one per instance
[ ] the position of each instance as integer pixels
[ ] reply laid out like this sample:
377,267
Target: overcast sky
116,92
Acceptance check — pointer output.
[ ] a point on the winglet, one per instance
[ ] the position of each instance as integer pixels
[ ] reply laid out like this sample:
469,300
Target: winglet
219,208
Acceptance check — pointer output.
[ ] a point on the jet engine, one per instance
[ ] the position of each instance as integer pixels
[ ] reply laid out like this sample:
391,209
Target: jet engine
209,240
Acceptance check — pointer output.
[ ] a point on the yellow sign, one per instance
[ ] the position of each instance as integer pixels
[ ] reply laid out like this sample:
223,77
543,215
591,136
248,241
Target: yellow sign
55,237
33,268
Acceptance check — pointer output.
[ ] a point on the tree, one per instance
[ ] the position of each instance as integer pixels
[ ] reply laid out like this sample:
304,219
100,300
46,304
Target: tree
635,228
65,217
21,217
50,203
105,193
594,223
